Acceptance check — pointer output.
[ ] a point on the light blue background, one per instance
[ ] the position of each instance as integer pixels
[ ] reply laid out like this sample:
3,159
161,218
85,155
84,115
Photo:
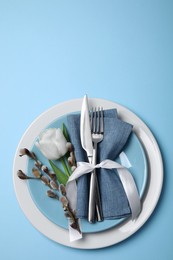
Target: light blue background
53,51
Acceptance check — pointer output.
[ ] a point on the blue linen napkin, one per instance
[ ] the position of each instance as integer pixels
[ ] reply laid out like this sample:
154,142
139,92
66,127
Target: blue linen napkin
113,198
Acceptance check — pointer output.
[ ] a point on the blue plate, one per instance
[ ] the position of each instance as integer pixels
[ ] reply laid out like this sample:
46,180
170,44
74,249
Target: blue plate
52,209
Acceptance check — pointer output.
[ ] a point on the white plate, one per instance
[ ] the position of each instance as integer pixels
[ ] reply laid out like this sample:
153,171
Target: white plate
110,236
53,210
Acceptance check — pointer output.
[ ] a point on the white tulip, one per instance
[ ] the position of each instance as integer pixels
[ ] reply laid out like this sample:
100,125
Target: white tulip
52,143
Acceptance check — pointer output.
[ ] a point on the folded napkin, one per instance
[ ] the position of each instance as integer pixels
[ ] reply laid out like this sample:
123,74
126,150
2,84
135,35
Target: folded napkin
113,197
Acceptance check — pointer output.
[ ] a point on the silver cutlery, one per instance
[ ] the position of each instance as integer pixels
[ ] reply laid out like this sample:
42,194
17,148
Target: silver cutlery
97,130
87,144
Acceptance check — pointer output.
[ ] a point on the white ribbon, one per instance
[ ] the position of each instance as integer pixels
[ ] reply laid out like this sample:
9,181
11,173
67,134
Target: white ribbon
125,176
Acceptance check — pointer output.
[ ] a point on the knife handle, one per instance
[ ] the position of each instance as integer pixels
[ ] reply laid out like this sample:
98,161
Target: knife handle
92,198
95,209
99,213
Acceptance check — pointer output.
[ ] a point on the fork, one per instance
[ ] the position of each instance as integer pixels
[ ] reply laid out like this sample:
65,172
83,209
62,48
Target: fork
97,131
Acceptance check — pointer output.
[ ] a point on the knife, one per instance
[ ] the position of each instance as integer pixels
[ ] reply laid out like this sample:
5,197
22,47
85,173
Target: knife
87,144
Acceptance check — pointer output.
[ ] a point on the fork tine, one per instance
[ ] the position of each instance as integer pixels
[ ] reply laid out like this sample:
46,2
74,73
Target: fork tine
98,120
101,121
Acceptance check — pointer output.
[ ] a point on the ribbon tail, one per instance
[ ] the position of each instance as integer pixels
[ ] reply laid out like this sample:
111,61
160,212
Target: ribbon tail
131,191
71,191
73,233
124,160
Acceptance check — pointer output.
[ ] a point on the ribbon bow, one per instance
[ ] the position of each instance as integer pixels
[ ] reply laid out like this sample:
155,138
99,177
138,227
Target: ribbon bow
125,176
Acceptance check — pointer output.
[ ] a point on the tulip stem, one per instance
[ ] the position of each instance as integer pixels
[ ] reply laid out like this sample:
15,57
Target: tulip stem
64,166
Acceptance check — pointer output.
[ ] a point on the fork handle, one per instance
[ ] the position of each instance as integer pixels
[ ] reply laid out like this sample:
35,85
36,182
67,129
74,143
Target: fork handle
98,204
94,194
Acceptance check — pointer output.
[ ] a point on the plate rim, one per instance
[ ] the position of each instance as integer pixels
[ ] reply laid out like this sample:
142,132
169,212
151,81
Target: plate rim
115,234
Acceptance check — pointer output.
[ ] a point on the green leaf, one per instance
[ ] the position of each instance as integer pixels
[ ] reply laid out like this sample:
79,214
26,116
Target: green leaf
61,177
62,160
65,132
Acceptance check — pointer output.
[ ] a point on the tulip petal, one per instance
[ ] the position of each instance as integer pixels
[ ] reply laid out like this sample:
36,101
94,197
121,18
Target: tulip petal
49,150
48,134
52,143
61,142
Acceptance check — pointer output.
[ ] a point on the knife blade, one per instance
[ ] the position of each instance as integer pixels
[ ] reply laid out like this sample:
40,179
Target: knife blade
85,129
87,144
